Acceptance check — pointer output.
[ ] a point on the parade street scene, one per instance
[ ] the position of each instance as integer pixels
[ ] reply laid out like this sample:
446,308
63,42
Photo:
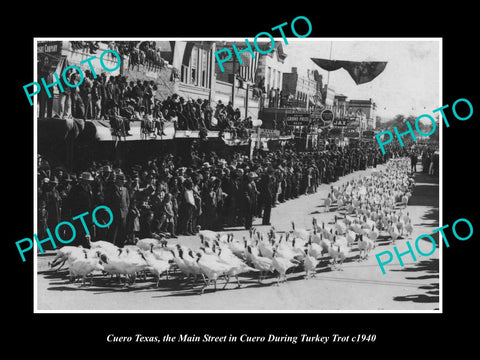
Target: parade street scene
250,183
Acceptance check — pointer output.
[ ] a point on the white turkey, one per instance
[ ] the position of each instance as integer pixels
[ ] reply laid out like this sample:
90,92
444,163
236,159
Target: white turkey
262,264
310,263
281,265
87,262
365,245
300,233
212,269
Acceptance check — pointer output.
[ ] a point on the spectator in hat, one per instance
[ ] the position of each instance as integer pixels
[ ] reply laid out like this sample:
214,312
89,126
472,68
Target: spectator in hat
42,220
159,120
231,187
44,170
229,109
118,202
45,102
133,222
208,113
413,161
65,99
218,196
189,207
78,107
97,89
80,201
197,195
147,226
267,189
209,200
86,94
248,199
53,203
168,214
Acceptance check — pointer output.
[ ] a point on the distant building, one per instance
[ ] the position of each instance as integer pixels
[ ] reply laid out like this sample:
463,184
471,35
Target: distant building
365,110
341,106
302,91
328,97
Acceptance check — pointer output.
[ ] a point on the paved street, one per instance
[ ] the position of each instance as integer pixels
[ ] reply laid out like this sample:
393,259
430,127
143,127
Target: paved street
360,286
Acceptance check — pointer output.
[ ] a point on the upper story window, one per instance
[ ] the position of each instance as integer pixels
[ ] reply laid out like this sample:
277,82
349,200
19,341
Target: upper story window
199,69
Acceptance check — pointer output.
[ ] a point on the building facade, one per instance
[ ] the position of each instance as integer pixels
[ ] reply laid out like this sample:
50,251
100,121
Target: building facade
196,72
365,110
340,106
269,74
328,97
302,91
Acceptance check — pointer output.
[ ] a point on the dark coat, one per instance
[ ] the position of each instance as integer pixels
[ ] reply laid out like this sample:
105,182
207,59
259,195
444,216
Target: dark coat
80,200
119,202
248,196
267,188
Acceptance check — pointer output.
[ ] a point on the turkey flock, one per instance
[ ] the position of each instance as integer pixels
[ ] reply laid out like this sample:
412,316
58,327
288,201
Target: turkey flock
372,208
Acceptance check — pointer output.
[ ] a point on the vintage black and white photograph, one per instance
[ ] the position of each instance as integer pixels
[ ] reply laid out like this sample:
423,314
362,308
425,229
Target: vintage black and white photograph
216,175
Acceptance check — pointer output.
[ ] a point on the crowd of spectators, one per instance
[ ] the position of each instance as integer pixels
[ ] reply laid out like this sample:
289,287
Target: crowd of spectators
162,197
144,53
430,158
120,101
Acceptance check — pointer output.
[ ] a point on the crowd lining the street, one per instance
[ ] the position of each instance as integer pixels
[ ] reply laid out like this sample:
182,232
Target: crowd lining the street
163,198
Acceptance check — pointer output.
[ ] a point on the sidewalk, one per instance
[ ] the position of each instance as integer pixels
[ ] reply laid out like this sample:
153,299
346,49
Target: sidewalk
426,195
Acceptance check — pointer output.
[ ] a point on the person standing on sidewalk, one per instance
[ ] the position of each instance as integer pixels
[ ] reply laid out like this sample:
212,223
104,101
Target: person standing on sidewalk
118,202
189,208
80,201
267,188
413,161
249,196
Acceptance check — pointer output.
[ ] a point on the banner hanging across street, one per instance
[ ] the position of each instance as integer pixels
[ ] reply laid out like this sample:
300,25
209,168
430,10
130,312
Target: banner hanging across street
361,72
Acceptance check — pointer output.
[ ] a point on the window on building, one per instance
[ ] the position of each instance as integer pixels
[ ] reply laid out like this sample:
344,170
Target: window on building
184,74
194,77
204,67
194,66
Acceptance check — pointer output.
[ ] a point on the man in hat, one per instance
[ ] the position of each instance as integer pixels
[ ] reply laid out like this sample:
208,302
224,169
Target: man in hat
229,109
53,203
249,199
99,189
46,103
86,94
208,113
189,207
118,202
267,188
79,201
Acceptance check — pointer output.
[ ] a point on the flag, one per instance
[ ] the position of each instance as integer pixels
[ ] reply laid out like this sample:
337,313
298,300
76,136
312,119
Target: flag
360,71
